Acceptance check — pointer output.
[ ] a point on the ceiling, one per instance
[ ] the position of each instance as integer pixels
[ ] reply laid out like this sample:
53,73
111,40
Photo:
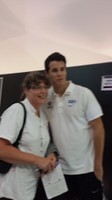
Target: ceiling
30,30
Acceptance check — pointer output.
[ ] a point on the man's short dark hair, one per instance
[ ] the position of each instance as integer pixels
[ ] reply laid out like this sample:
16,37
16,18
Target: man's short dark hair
54,57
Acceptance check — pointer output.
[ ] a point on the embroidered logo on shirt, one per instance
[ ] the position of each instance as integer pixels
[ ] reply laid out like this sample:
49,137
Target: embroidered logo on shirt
71,102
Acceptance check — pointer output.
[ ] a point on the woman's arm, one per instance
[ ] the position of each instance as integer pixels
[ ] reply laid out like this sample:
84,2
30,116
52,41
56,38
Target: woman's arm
13,155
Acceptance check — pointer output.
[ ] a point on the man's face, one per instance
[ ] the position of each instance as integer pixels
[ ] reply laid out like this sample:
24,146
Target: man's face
57,73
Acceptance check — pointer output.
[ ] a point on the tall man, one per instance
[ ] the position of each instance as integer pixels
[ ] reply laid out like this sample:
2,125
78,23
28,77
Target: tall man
77,128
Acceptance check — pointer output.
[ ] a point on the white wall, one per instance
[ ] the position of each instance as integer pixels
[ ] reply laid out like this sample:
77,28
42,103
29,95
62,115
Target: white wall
32,29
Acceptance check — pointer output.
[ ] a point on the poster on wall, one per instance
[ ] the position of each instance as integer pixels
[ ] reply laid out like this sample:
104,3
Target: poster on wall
106,83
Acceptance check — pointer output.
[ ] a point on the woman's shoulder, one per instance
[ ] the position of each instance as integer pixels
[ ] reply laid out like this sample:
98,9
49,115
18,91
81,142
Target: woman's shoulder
14,108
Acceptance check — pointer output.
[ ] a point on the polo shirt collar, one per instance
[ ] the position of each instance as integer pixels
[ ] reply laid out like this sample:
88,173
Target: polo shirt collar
29,106
67,91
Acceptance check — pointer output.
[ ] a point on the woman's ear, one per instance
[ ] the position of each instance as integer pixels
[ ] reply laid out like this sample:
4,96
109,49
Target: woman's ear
26,91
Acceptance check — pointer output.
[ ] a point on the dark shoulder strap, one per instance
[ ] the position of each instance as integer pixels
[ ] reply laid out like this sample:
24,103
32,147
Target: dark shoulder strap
50,132
24,121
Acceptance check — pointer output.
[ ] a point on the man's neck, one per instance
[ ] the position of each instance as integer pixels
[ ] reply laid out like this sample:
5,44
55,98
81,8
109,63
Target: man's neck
60,90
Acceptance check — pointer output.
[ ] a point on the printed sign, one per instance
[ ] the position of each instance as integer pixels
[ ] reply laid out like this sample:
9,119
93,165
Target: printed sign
106,83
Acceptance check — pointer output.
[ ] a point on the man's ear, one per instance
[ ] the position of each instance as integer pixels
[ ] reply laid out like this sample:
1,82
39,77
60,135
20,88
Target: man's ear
46,73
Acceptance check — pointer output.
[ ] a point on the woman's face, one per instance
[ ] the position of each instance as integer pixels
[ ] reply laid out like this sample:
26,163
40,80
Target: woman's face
37,95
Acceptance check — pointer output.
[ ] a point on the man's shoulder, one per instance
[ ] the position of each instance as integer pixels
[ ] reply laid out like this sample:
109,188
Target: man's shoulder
80,87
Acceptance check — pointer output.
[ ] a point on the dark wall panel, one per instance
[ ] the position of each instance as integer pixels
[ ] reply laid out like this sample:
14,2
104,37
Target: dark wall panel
11,89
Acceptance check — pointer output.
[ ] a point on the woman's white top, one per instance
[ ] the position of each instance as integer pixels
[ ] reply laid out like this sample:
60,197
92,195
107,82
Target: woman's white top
21,181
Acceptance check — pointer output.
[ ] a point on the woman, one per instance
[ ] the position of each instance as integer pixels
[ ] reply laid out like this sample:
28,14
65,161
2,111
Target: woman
21,181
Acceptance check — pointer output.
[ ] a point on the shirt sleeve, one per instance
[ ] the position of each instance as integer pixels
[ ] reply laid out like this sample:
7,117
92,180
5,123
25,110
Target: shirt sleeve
11,122
92,107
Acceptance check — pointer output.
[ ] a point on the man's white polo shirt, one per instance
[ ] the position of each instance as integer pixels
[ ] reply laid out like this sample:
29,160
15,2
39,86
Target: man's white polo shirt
69,116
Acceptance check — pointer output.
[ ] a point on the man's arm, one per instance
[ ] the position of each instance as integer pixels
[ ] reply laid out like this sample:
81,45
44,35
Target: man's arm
98,137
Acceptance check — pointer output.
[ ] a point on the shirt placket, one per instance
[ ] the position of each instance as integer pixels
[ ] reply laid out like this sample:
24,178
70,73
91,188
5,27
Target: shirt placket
59,104
41,139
